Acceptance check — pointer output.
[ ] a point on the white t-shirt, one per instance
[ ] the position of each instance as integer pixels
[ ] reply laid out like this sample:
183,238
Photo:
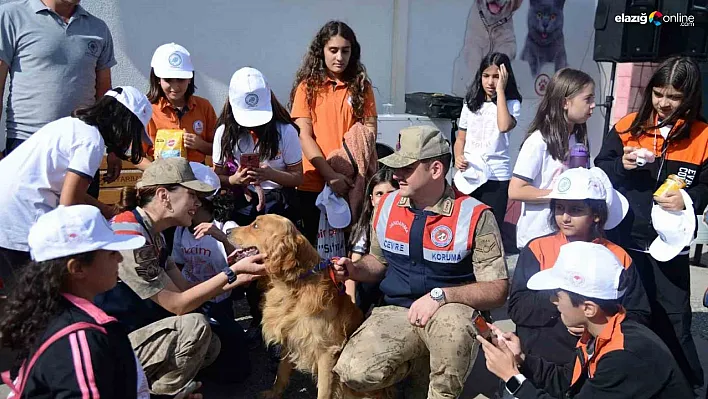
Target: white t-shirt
289,150
536,166
203,258
483,137
33,174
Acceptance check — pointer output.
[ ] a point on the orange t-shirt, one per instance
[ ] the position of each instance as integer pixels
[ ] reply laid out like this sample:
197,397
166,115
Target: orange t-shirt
199,119
332,117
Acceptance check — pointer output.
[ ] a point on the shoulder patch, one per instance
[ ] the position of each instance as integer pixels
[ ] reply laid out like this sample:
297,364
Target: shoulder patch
486,247
147,262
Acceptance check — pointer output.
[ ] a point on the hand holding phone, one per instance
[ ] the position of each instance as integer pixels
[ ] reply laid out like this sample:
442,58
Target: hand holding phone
250,160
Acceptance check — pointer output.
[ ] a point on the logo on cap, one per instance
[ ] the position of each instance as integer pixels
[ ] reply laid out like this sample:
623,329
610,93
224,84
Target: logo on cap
175,59
198,126
251,99
563,185
441,236
576,280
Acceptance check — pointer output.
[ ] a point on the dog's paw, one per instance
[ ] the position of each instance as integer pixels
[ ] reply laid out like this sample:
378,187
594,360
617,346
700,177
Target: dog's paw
270,394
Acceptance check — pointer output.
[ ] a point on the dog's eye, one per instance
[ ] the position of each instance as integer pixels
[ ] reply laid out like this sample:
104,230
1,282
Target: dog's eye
255,225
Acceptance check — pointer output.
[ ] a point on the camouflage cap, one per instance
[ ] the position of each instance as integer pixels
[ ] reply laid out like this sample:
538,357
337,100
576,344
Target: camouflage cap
417,143
172,171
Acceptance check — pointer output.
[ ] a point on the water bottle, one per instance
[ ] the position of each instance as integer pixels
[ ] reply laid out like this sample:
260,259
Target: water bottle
579,156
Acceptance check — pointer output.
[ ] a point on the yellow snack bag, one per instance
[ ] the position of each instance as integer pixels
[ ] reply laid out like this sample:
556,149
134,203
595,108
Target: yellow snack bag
169,143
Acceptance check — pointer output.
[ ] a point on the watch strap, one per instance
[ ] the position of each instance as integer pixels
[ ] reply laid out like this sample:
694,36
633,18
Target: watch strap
229,274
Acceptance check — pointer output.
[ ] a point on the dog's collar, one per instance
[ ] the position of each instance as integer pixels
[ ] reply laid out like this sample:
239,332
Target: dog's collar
325,264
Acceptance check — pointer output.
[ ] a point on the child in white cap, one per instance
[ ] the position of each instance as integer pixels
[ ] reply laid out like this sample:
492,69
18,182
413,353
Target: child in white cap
582,205
57,164
174,104
616,356
201,250
257,149
75,257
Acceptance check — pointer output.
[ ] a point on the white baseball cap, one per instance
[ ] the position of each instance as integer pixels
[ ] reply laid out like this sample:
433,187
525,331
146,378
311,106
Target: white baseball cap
206,175
76,229
476,174
582,184
249,96
172,61
675,230
337,209
135,101
584,268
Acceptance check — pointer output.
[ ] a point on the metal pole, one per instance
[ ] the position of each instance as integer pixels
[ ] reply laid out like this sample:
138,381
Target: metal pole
608,101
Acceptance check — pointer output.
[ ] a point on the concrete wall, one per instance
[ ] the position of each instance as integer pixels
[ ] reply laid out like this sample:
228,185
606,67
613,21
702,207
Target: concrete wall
407,45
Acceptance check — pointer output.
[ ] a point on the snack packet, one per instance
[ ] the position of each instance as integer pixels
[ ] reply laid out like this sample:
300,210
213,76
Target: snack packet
169,143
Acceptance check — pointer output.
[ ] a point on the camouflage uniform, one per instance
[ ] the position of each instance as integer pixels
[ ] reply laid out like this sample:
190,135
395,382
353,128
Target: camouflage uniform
385,348
171,350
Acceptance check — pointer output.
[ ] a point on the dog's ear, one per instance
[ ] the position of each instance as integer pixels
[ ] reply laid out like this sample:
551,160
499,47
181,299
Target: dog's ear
292,255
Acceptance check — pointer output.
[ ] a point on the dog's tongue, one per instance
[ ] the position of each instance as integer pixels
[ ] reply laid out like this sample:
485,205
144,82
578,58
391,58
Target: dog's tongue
493,8
544,35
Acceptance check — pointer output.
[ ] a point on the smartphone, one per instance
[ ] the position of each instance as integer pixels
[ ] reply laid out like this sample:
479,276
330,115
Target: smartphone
483,328
250,160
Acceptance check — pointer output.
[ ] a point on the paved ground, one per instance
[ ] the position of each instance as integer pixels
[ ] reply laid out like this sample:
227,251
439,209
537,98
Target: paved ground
480,384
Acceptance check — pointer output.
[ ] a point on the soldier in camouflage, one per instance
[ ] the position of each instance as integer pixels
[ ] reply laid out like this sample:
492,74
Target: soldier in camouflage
440,262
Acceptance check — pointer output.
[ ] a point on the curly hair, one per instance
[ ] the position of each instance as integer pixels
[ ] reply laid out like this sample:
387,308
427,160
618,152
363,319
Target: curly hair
313,70
35,300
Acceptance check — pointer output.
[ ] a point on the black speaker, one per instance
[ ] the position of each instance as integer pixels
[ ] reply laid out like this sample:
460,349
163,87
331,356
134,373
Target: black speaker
620,35
686,32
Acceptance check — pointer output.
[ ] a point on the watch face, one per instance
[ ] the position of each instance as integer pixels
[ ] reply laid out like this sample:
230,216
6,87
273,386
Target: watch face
513,385
436,293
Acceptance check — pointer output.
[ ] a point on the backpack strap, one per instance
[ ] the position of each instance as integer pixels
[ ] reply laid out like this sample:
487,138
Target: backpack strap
24,372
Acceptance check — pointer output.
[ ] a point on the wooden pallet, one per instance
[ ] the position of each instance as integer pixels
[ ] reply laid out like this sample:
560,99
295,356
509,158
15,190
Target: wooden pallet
110,192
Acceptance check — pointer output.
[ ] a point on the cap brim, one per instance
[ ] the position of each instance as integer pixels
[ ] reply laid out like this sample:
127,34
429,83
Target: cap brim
396,161
123,243
617,210
662,251
172,74
463,184
198,186
545,280
252,118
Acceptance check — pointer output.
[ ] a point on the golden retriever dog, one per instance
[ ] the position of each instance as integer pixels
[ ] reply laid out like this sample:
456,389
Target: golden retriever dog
304,310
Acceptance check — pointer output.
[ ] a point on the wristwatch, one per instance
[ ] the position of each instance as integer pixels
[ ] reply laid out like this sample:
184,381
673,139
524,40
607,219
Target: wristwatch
514,383
229,274
438,295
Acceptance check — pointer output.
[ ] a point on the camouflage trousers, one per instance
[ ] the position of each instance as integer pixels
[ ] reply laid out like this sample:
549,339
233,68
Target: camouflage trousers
384,349
173,350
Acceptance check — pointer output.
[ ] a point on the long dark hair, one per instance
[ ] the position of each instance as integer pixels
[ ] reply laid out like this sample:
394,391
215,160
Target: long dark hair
155,93
313,70
598,208
550,117
363,225
35,300
684,75
120,128
476,95
268,134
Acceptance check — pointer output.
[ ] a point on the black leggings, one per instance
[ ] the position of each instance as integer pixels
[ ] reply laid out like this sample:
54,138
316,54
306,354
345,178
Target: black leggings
310,215
668,286
495,194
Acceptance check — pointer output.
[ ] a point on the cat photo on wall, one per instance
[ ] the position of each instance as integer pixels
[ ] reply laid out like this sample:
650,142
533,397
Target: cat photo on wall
490,28
545,42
